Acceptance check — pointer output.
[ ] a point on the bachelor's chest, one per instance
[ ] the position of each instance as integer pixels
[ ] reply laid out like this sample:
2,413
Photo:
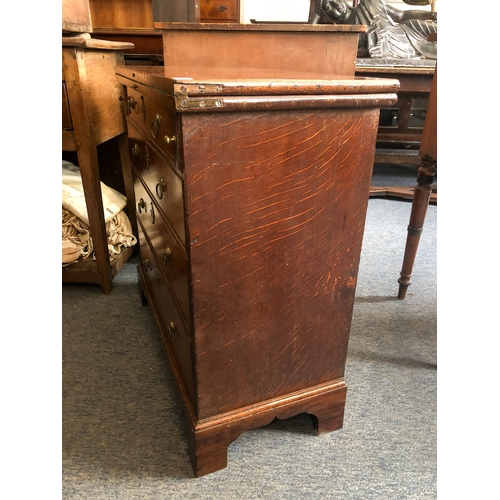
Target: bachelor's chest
251,195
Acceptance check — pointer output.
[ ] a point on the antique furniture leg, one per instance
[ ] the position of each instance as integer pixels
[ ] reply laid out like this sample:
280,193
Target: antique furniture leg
89,169
421,198
425,178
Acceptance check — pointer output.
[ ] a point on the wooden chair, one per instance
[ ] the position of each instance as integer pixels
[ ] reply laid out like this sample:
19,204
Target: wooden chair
425,178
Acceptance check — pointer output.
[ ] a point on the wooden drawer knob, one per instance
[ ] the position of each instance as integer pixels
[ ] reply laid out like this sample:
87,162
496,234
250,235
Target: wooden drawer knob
172,330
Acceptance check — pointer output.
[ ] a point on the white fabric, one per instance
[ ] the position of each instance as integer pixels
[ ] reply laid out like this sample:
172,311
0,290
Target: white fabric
73,197
76,238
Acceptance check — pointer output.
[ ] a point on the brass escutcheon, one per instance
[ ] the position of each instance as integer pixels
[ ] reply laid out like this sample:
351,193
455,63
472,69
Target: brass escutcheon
141,205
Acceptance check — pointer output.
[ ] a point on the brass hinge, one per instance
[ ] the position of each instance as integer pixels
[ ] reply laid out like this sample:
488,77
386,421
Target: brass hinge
185,102
197,89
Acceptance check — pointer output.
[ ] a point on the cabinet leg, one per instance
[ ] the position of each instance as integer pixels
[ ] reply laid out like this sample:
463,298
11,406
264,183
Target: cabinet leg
421,197
330,416
208,451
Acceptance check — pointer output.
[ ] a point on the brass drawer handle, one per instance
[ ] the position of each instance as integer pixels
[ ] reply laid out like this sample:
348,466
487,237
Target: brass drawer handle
161,187
135,151
141,205
143,109
155,126
147,264
169,140
167,256
221,8
131,104
172,330
146,156
153,215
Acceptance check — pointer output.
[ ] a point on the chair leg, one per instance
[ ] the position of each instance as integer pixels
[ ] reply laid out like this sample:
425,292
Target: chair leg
421,197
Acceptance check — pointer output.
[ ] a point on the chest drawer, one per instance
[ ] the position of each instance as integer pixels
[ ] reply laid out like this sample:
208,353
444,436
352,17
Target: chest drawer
162,181
173,262
152,113
218,10
174,332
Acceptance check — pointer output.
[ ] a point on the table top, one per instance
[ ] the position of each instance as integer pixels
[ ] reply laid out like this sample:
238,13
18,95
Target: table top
269,27
211,83
84,40
396,66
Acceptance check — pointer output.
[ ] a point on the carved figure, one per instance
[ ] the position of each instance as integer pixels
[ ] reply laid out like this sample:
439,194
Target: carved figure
391,33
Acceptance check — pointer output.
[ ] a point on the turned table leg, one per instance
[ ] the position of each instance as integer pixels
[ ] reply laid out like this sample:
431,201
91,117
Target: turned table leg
421,197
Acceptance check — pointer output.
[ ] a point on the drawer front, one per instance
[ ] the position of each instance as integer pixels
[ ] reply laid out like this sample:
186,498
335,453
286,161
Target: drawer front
173,261
172,328
163,182
218,10
153,113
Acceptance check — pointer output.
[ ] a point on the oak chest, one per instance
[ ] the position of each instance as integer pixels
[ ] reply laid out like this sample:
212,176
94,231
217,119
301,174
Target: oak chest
251,197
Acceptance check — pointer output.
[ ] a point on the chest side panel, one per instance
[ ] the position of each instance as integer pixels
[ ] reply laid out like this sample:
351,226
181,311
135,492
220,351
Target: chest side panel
276,204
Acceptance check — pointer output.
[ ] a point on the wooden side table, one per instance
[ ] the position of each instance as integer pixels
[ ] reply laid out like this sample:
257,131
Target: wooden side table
93,112
399,142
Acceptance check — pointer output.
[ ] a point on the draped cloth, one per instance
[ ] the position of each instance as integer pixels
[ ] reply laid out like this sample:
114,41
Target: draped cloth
76,238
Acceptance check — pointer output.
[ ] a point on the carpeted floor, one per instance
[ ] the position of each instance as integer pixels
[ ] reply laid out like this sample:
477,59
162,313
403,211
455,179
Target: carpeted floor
123,428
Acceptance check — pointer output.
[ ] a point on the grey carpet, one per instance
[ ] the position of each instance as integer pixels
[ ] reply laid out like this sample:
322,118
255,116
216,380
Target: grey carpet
123,428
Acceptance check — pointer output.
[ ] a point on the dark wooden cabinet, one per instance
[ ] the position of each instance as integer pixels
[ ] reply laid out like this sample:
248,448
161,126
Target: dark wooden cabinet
251,194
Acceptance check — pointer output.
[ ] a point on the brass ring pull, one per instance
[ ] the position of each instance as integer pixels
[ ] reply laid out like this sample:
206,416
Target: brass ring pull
167,256
161,187
169,140
155,126
141,205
